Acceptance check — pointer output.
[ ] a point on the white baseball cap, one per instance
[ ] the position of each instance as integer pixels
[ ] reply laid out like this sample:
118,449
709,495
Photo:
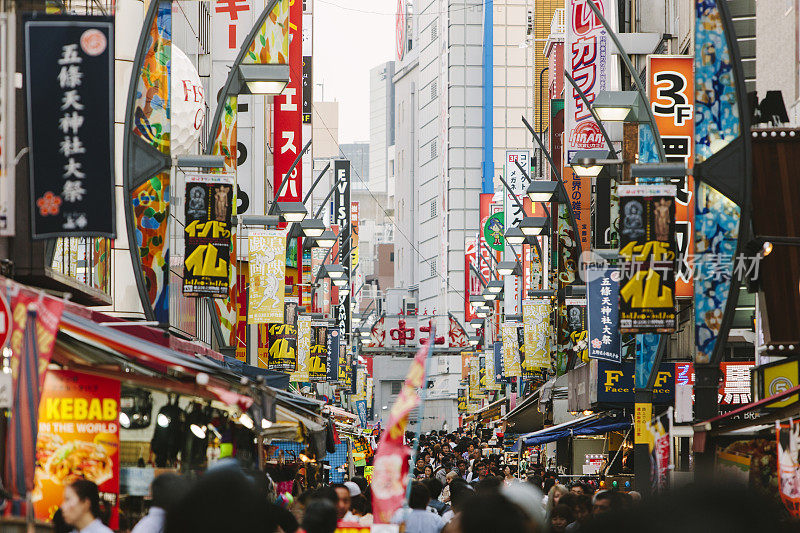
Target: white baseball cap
353,488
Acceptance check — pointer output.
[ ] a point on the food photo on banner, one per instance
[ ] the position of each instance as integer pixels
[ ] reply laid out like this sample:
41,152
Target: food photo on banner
602,289
78,439
648,254
207,235
69,87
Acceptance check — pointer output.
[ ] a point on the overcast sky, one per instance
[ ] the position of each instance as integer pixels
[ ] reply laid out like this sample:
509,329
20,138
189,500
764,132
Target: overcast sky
351,37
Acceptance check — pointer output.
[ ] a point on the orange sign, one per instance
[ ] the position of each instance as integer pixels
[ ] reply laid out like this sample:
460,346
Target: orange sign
78,438
671,89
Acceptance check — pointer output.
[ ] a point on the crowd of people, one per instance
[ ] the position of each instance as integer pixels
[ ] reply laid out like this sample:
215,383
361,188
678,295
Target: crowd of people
458,487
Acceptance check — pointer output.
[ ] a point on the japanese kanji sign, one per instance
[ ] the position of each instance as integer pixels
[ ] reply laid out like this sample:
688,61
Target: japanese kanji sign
333,355
536,317
267,268
207,234
69,84
318,359
513,216
341,216
602,290
282,343
647,250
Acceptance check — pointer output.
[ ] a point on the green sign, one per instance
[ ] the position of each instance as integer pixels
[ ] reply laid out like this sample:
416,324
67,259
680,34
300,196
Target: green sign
494,230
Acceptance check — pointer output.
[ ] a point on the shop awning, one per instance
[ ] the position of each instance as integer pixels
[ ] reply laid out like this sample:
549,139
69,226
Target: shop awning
526,417
594,424
276,380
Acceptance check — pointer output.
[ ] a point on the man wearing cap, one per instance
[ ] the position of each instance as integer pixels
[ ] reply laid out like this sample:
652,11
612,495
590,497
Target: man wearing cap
345,491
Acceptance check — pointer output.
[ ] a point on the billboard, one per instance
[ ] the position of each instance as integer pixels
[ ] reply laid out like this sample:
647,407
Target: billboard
267,276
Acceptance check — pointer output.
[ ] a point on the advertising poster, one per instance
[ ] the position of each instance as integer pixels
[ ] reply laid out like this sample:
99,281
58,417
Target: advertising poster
486,210
207,235
240,301
465,361
511,366
267,263
282,351
69,73
602,289
472,282
463,401
355,271
497,352
788,436
318,357
343,368
659,431
670,86
333,355
301,374
647,252
490,372
513,216
536,317
475,391
78,438
576,325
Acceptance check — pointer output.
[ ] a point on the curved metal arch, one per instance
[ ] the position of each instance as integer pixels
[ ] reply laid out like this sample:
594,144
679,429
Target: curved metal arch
146,160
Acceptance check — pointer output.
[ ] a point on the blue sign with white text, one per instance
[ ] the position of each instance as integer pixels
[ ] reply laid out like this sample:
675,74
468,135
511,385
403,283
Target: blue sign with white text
602,295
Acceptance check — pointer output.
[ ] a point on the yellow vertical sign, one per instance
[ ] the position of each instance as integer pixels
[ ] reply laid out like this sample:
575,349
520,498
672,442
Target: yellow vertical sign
536,317
642,414
303,349
267,259
511,365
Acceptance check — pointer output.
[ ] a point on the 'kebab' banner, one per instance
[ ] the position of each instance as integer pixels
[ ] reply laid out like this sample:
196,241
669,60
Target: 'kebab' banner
536,317
647,250
390,468
267,260
602,289
333,355
303,349
78,439
318,360
511,366
207,235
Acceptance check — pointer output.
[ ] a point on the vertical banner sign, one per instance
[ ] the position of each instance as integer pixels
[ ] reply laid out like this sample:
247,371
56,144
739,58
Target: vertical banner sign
333,355
587,57
207,235
463,400
602,290
318,358
301,375
475,392
69,84
511,366
647,249
497,351
485,213
576,325
660,447
472,283
78,439
788,437
282,354
308,87
287,140
670,85
341,217
356,276
536,319
240,329
482,373
489,373
390,468
513,216
466,357
267,256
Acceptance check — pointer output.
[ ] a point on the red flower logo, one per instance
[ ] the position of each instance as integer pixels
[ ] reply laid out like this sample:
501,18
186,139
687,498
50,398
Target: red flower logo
49,204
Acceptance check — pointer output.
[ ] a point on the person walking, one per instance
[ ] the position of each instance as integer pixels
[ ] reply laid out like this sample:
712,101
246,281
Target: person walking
418,519
81,507
166,490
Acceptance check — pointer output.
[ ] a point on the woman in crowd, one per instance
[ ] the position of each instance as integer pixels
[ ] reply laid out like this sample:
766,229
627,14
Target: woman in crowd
81,507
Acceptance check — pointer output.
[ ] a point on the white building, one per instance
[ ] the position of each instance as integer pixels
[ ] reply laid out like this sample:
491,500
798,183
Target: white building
381,127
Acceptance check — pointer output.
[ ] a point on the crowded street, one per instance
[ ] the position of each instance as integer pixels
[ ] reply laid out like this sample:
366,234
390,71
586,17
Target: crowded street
399,266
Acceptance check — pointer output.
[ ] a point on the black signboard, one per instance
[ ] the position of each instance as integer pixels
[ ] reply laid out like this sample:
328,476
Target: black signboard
282,347
333,355
341,217
69,85
648,253
578,331
318,359
207,235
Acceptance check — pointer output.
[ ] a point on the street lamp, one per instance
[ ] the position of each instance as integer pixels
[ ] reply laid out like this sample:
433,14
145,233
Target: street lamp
542,191
515,236
508,268
532,226
590,163
335,272
476,301
619,106
313,227
326,239
474,340
483,312
262,79
291,211
476,323
495,286
488,296
344,288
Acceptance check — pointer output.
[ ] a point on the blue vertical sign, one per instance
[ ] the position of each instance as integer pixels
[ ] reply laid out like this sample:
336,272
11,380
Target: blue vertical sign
333,355
602,292
499,369
361,408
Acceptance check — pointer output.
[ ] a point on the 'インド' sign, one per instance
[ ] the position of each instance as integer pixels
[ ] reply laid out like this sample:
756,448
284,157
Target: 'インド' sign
69,75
